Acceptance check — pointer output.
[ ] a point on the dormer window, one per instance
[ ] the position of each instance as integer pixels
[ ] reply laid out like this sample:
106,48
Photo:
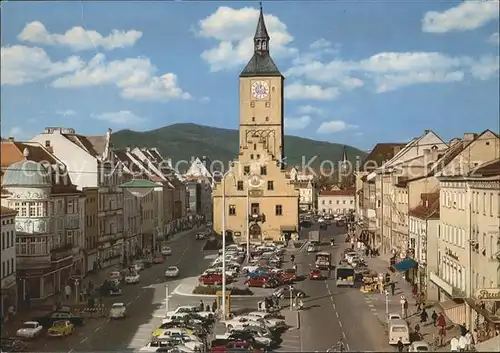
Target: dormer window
264,45
47,143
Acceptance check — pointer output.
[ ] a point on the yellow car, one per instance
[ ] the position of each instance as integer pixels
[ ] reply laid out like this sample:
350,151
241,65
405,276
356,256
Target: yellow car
61,328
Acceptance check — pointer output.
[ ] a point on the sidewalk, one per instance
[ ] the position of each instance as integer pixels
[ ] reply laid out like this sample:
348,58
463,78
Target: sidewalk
380,264
24,314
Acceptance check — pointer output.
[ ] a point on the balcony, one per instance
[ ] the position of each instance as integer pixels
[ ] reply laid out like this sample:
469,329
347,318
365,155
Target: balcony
72,221
61,252
109,212
24,262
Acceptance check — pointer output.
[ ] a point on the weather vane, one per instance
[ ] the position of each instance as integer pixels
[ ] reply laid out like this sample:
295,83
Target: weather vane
260,3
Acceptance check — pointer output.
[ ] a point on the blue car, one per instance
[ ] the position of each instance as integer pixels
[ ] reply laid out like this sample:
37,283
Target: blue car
259,272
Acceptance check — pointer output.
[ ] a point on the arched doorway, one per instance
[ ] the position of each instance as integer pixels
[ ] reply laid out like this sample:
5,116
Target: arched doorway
255,232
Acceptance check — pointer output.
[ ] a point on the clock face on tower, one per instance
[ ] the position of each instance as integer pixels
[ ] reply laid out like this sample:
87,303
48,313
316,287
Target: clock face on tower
260,89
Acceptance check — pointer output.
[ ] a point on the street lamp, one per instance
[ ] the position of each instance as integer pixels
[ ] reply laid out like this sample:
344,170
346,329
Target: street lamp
224,242
138,188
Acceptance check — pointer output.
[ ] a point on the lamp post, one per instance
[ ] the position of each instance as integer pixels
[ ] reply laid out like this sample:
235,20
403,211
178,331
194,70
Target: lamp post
248,222
139,188
224,242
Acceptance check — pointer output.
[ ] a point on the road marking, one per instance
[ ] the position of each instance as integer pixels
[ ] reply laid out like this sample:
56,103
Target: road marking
336,313
340,324
137,297
375,313
331,299
373,309
70,351
343,334
371,305
84,340
108,319
130,302
334,305
97,329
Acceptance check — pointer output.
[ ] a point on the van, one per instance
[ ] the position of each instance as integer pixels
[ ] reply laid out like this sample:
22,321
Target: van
398,329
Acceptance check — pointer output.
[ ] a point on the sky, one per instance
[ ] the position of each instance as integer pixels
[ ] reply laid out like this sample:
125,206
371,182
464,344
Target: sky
357,72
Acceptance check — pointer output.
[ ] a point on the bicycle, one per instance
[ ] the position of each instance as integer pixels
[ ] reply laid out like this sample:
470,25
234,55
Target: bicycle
436,342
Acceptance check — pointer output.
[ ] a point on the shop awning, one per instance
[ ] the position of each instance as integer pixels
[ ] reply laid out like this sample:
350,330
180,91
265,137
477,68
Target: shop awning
288,228
405,265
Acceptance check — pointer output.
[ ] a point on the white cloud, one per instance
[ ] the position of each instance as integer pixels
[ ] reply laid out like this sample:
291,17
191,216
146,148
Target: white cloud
21,64
486,68
392,70
466,16
234,30
309,109
78,38
122,117
297,123
321,43
334,126
205,99
67,112
494,39
300,91
136,77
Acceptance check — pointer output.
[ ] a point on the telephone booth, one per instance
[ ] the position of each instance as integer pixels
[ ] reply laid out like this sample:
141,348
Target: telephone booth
228,300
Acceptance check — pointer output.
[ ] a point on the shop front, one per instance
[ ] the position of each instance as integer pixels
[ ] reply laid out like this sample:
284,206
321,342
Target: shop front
9,297
450,299
485,316
90,256
39,284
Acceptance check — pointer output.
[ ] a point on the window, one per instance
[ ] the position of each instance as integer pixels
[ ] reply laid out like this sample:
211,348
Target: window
254,146
267,118
251,156
258,156
270,185
255,208
484,203
343,201
252,104
323,202
47,143
240,185
491,204
337,202
253,118
263,170
232,210
279,210
33,210
246,170
268,104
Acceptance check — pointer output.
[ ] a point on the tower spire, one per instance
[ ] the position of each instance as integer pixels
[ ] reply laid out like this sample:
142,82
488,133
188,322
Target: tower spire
261,37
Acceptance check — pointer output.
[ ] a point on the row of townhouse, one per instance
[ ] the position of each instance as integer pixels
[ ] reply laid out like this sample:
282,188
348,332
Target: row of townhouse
434,205
72,215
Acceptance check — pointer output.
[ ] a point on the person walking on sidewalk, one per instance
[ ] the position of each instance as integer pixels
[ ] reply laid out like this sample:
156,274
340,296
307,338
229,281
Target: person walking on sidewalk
434,317
67,291
424,316
393,287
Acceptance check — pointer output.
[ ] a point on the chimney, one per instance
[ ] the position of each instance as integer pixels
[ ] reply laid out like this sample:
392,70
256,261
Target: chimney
427,203
426,132
469,136
454,141
10,139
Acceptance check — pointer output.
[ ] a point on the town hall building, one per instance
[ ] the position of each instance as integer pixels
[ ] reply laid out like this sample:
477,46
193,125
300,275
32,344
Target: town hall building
254,198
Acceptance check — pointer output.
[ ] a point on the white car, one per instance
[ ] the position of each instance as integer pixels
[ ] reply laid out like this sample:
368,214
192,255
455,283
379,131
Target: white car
419,346
118,311
200,236
166,251
311,248
178,317
172,271
30,329
132,278
266,319
138,266
250,268
240,322
393,316
191,309
153,346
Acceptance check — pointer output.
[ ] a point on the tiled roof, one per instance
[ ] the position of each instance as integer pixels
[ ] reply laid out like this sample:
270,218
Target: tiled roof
381,153
64,190
98,143
346,192
82,142
5,211
428,208
488,169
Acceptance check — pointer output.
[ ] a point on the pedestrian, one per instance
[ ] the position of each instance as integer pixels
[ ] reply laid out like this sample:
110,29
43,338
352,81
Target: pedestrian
463,329
393,287
207,308
414,290
417,328
418,304
468,341
453,344
441,321
434,317
214,306
400,345
462,343
202,306
424,316
67,291
301,304
11,312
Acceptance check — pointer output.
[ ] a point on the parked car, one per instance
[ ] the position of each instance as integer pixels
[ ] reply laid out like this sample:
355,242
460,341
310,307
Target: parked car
132,278
30,329
158,260
261,281
315,274
211,279
200,235
12,345
166,251
49,319
61,328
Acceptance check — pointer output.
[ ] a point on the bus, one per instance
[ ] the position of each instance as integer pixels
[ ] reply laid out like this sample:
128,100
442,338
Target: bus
345,276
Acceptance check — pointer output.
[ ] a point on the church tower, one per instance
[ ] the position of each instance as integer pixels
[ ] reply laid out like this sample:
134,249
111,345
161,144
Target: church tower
255,202
262,101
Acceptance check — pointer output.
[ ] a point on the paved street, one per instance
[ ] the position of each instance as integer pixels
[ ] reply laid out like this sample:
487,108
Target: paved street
145,306
332,313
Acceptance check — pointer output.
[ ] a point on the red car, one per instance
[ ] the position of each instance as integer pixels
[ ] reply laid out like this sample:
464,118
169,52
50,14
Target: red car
315,274
261,281
211,279
289,275
158,260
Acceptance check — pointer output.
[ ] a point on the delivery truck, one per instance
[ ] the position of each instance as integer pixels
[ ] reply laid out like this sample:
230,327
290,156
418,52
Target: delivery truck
323,260
314,237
